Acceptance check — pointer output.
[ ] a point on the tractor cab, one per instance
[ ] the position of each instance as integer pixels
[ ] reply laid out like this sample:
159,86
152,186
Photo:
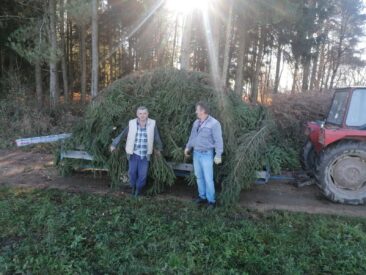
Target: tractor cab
335,151
346,119
348,109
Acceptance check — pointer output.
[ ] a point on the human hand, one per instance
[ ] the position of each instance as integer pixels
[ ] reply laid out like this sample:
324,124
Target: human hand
157,153
112,148
217,160
186,152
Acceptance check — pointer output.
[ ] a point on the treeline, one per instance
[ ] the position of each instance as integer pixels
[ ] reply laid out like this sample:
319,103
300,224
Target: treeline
63,46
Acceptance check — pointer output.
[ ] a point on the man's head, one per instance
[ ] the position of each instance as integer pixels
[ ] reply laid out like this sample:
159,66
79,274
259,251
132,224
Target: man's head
142,113
202,110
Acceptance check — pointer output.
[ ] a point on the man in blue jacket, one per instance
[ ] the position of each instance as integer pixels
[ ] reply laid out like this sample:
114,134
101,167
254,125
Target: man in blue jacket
142,135
207,144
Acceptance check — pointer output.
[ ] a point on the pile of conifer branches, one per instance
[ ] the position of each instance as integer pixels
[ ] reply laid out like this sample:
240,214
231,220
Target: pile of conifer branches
170,95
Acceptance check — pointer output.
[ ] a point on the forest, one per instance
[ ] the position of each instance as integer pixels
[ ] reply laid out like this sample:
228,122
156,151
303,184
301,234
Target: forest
62,51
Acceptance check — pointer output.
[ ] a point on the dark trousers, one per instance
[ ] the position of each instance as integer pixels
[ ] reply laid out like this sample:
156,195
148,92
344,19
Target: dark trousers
137,171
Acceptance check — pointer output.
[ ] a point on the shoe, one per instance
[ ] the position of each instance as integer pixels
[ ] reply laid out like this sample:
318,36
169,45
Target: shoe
200,201
211,205
137,193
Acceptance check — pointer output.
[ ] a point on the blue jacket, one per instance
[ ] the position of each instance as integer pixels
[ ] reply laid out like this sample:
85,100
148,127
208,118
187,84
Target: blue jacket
207,137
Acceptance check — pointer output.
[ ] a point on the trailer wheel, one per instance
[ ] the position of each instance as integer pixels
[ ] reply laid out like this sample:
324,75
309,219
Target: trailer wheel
341,172
308,158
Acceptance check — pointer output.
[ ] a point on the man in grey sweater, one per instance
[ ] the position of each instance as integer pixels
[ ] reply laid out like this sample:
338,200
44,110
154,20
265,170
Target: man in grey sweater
207,144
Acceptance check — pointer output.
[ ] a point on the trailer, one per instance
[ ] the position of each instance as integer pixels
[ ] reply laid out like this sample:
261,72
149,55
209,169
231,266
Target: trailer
180,169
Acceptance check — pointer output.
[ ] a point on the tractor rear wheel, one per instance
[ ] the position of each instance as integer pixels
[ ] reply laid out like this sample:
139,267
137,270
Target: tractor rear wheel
308,158
341,172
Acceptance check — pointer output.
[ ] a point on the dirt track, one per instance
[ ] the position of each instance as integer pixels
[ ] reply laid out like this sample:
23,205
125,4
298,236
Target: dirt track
35,170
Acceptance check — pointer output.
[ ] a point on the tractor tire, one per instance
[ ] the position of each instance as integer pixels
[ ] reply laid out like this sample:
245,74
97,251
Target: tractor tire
308,158
341,172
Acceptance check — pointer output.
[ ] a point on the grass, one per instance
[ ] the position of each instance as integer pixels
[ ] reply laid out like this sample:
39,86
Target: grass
54,232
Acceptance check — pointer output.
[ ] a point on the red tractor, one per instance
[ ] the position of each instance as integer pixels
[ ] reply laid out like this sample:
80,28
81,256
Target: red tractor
335,152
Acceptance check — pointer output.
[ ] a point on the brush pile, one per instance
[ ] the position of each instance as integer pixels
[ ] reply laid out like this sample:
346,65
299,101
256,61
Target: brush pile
170,95
291,111
22,118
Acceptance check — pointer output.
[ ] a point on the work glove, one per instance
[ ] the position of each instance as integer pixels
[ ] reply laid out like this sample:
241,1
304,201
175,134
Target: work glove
217,160
187,152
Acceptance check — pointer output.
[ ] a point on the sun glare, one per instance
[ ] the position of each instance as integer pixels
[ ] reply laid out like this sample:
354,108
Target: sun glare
185,6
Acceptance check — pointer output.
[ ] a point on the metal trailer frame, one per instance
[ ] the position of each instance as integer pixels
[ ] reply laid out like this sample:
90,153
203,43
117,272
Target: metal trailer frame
180,169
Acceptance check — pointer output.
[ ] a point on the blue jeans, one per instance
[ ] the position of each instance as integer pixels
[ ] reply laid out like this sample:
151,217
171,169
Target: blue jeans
137,172
203,170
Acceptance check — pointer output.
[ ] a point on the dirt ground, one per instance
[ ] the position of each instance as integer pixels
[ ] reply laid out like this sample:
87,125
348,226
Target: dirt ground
26,169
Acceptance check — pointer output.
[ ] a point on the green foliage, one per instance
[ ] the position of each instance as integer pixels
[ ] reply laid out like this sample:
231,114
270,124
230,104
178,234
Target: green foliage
242,165
160,170
282,157
30,41
269,12
54,232
79,10
170,95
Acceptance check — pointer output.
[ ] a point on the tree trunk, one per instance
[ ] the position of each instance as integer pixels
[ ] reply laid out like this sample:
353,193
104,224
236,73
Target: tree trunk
53,58
240,66
130,57
186,43
95,53
278,69
306,73
70,62
64,54
225,68
315,68
326,81
337,62
174,40
121,58
321,69
83,62
110,59
326,71
136,57
112,53
334,73
39,90
1,63
215,50
268,75
258,66
293,89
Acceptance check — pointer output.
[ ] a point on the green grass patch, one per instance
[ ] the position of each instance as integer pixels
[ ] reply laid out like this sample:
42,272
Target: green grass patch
54,232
